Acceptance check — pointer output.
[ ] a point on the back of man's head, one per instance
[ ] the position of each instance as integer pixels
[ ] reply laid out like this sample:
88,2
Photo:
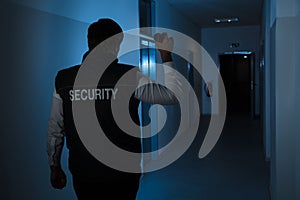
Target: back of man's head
103,29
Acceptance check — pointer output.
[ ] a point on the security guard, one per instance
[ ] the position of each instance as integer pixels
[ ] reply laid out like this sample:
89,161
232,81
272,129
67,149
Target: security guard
91,178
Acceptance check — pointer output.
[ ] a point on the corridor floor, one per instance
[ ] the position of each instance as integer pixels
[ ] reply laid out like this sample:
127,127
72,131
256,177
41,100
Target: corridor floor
234,170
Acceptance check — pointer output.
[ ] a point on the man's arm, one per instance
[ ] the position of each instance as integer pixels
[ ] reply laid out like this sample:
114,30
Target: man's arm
152,92
55,142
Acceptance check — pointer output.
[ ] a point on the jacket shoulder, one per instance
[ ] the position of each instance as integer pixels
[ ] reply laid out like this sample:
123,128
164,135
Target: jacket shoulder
66,77
126,67
68,71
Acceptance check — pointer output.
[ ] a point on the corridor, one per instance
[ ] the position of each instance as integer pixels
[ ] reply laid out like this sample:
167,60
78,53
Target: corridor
234,170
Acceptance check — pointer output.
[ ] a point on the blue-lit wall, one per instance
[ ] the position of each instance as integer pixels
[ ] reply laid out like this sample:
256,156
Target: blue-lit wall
37,39
167,16
284,90
266,79
297,97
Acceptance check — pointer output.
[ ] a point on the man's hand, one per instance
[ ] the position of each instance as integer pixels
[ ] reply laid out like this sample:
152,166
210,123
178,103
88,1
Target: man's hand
164,45
58,177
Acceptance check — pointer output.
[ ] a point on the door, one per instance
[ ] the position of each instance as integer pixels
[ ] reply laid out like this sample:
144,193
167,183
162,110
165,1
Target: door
236,71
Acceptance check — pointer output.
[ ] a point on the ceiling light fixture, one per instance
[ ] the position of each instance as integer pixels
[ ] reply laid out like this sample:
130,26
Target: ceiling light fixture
226,20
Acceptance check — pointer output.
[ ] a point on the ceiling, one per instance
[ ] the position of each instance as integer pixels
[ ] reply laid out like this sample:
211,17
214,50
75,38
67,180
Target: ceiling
203,12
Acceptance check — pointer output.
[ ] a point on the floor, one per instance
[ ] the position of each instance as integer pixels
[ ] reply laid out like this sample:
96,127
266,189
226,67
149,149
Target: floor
234,170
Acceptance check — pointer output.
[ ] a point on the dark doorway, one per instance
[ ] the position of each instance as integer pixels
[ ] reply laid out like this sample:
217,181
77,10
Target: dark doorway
236,71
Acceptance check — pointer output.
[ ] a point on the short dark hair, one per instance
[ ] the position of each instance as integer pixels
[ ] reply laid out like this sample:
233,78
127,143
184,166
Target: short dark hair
101,30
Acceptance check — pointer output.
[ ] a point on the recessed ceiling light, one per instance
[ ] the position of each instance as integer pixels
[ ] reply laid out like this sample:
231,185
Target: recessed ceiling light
226,20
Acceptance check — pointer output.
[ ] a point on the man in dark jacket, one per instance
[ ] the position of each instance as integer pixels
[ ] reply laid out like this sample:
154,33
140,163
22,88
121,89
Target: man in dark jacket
91,178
